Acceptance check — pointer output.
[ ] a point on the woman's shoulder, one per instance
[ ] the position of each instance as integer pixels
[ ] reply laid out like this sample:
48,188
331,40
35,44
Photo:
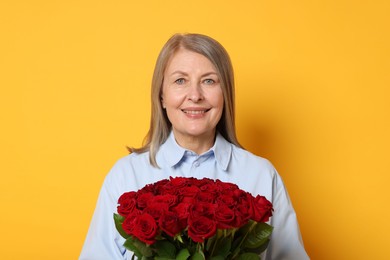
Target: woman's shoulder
132,171
132,158
249,158
252,173
127,164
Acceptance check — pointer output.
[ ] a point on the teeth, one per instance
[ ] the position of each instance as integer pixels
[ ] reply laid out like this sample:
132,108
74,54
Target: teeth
196,112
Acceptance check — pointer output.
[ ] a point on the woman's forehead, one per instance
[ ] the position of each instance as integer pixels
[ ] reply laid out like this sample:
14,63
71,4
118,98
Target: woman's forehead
184,61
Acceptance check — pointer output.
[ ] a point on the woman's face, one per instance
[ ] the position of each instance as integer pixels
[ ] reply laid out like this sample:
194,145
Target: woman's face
192,95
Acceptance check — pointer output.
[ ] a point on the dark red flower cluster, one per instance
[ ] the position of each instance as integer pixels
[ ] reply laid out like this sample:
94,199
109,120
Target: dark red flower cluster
196,206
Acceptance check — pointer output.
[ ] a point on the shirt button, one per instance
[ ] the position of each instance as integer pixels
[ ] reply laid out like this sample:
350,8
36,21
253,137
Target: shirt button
196,164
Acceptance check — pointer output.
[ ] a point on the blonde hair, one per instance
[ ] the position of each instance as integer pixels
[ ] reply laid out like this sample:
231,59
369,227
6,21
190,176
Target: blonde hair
160,126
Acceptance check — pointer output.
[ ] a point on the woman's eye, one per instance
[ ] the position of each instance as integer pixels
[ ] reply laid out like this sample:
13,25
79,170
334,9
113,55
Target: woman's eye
209,81
180,81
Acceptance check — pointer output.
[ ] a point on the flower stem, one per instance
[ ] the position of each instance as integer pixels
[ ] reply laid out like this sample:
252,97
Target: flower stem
237,250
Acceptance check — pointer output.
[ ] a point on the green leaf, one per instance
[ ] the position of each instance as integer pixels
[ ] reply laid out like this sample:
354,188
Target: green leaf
260,249
183,254
236,243
138,247
118,224
248,256
129,244
211,242
258,236
165,249
198,256
218,257
246,228
223,247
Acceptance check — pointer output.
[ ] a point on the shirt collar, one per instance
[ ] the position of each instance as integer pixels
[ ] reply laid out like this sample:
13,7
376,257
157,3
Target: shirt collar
170,152
222,151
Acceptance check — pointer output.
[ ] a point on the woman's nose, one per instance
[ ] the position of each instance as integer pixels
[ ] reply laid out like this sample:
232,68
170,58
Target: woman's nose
195,92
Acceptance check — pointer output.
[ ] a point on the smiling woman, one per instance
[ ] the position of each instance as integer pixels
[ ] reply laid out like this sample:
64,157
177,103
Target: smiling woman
180,51
192,134
193,100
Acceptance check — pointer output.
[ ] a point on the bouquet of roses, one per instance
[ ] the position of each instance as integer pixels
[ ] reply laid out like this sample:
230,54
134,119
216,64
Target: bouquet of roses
188,218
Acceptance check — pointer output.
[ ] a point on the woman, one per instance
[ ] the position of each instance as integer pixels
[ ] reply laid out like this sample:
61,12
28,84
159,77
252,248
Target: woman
192,134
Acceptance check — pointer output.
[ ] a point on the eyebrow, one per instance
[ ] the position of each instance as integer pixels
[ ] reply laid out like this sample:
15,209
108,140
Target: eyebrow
185,73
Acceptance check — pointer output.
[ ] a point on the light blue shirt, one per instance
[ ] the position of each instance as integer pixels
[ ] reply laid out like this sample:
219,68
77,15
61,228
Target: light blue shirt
224,161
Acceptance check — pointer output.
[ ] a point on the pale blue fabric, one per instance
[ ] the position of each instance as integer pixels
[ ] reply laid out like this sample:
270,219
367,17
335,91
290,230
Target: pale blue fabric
224,161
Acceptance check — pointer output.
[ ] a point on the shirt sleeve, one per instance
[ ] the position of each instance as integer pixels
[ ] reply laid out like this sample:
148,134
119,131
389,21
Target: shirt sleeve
103,241
286,241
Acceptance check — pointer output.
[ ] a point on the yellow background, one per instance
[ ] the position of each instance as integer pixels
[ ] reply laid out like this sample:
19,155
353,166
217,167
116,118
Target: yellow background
312,96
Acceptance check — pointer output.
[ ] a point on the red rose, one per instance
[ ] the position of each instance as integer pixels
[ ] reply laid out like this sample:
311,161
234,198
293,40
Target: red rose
240,195
226,199
128,224
159,187
210,187
226,185
224,216
243,214
206,197
188,192
168,199
189,200
203,182
182,210
144,228
169,223
127,203
201,228
203,209
127,196
143,199
148,188
243,209
164,187
155,209
180,182
261,209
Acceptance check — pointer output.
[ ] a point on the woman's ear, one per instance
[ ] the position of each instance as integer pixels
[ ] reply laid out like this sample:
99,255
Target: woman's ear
162,102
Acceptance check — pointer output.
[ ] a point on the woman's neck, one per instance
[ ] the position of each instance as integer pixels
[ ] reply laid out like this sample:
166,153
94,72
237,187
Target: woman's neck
197,144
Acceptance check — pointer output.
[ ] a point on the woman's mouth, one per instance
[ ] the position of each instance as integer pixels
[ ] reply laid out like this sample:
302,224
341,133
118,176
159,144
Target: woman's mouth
195,112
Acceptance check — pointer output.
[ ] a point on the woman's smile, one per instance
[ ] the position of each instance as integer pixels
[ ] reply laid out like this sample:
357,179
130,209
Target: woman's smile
192,112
